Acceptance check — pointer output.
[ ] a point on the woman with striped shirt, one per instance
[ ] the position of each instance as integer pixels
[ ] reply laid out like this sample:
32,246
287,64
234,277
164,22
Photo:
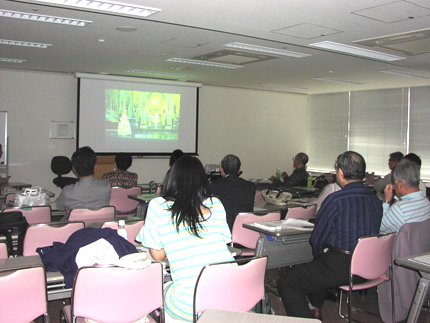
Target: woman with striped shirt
189,228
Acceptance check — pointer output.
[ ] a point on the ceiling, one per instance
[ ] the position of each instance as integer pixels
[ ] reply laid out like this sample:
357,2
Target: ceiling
194,28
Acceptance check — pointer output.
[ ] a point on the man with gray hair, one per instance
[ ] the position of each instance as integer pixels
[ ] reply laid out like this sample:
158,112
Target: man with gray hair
236,194
413,206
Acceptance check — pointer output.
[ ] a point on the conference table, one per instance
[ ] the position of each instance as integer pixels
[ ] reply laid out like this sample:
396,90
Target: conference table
420,263
285,247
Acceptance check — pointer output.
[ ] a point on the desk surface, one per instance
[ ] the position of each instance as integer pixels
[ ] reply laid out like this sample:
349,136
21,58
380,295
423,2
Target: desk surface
20,263
215,316
18,185
97,223
143,197
410,264
279,233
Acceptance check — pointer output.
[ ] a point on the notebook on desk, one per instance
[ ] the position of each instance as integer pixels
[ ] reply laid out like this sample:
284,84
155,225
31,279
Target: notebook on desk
296,224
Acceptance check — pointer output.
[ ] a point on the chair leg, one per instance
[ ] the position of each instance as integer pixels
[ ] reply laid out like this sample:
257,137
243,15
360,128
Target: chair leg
349,303
340,305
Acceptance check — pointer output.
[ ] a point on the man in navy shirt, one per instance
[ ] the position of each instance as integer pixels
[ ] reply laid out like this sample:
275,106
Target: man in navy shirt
344,217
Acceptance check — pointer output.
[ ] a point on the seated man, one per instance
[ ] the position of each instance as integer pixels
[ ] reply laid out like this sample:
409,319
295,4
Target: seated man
379,185
299,176
236,194
416,159
413,206
345,216
121,177
88,192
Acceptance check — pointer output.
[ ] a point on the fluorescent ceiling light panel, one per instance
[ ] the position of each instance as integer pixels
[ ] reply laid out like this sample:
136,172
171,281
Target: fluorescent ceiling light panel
335,80
43,18
285,86
23,43
158,73
266,50
400,73
337,47
205,63
11,60
114,7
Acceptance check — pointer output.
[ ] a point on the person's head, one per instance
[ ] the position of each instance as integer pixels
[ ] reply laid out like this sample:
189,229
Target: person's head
414,158
187,186
84,161
230,165
300,160
176,154
394,159
406,177
123,161
350,166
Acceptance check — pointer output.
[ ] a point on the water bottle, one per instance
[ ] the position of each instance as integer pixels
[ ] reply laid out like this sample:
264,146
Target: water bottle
278,173
121,229
310,180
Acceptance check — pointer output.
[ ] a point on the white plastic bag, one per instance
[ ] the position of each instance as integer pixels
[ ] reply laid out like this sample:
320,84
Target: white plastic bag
31,197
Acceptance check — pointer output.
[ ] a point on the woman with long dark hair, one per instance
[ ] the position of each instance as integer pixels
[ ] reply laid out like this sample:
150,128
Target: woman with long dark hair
189,228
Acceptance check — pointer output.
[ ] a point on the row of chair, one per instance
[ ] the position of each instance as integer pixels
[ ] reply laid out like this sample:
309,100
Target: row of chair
131,294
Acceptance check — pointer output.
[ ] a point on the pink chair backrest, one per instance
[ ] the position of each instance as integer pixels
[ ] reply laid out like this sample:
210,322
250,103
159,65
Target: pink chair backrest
372,256
23,295
119,198
9,197
132,228
301,213
42,235
159,190
3,251
246,237
258,197
129,295
231,287
107,212
34,214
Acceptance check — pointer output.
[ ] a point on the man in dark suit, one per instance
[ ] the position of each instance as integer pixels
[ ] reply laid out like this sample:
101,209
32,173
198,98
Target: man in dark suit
236,194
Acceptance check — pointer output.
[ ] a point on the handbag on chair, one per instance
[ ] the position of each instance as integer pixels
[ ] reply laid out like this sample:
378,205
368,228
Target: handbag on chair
10,221
31,197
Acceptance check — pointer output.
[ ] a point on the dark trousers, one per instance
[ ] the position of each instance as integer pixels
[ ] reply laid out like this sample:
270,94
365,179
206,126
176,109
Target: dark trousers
313,279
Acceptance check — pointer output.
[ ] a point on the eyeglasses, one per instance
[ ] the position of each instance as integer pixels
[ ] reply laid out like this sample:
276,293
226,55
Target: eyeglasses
336,165
294,158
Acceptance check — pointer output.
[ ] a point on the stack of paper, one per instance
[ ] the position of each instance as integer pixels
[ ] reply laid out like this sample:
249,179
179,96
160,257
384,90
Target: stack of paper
285,224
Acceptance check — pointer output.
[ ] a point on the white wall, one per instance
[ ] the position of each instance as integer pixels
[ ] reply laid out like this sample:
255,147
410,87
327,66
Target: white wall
265,129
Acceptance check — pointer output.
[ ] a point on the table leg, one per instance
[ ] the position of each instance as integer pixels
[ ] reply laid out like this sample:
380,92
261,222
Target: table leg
420,295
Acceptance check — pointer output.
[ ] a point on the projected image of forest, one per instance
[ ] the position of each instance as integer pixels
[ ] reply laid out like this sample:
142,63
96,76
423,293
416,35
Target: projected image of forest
142,115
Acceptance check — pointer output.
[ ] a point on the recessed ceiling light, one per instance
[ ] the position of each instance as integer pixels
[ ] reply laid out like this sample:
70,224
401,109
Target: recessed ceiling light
205,63
23,43
101,40
11,60
158,73
285,86
266,50
400,73
335,80
113,7
43,18
126,29
337,47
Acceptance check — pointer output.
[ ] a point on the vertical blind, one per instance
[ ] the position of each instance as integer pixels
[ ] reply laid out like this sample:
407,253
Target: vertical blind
374,123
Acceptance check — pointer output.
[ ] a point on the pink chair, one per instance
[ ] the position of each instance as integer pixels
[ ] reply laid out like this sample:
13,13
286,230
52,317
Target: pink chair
107,212
34,214
23,295
159,190
123,204
9,198
132,228
301,213
371,259
248,238
3,251
42,235
258,197
129,296
232,286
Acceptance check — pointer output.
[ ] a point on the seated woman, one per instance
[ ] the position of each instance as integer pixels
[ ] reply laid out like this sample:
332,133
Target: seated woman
190,229
121,177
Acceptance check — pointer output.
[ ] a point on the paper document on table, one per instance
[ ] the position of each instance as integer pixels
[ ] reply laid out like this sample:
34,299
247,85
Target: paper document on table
423,260
285,224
